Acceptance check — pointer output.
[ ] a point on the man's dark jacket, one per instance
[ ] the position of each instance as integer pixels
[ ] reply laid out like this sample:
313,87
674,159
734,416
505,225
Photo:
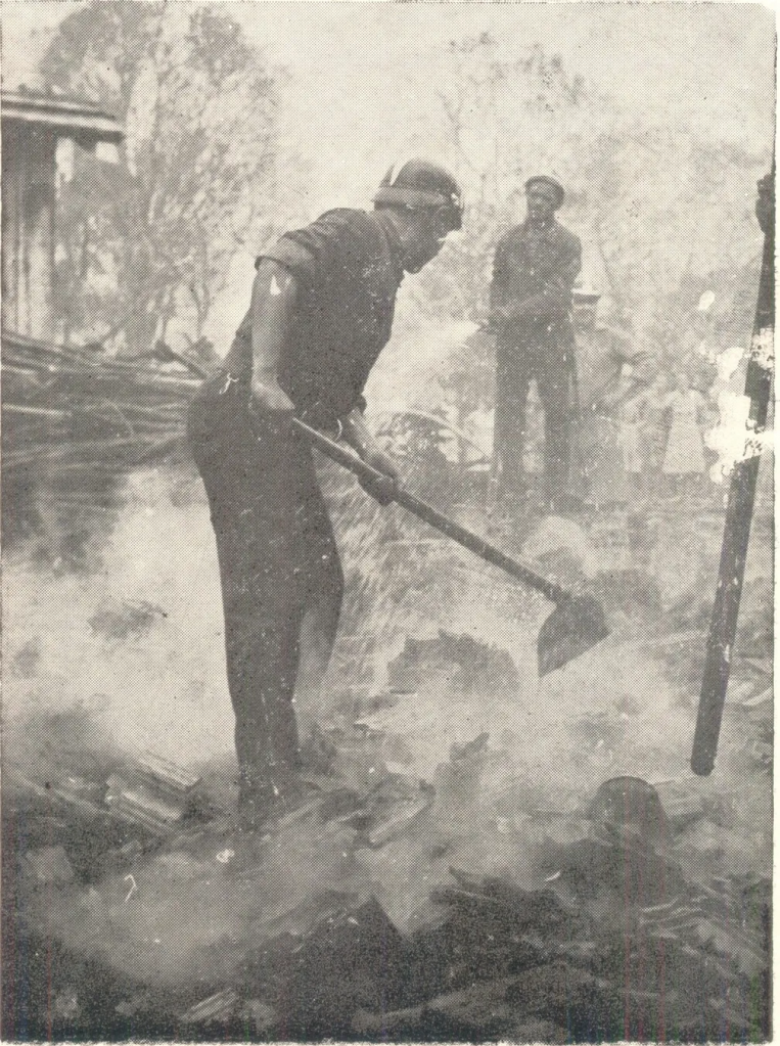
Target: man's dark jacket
533,275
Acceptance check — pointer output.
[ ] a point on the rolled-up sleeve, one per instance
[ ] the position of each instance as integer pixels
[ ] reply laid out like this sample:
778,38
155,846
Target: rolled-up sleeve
293,256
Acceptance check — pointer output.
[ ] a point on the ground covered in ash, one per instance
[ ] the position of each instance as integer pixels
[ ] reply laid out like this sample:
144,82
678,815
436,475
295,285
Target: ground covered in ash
481,855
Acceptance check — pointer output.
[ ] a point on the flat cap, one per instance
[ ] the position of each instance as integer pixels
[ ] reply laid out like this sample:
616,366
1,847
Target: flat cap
553,183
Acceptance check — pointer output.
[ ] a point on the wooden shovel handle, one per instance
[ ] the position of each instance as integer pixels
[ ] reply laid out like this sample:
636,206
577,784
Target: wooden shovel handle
553,591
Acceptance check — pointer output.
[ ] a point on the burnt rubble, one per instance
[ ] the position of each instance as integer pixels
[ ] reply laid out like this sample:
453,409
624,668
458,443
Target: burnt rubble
610,939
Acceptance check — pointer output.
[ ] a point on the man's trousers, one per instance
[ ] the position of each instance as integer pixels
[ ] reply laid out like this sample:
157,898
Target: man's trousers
552,367
277,555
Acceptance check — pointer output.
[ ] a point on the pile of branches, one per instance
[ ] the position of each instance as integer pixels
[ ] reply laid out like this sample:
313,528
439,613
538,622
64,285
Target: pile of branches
75,422
78,410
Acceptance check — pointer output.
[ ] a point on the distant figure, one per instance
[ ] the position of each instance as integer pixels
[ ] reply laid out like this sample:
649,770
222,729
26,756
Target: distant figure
611,373
534,270
630,441
655,432
684,458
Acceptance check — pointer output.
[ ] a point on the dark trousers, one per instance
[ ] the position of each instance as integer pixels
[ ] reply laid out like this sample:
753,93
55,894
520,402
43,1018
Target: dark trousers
277,555
551,366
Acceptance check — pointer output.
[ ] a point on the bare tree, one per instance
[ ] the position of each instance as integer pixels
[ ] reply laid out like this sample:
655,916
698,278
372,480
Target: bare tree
657,206
152,242
636,191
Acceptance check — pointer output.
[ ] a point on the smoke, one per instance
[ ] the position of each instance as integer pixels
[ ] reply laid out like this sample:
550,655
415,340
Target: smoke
130,657
135,644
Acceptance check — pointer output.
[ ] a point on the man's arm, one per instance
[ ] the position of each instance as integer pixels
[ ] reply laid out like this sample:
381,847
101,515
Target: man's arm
555,299
610,389
355,432
644,366
273,301
569,266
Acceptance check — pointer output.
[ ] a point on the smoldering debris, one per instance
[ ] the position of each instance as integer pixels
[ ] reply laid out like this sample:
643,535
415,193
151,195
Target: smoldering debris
468,666
153,792
119,621
216,1009
446,877
49,865
592,924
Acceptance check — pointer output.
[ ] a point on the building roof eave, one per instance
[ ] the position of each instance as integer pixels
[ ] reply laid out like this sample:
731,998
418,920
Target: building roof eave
65,117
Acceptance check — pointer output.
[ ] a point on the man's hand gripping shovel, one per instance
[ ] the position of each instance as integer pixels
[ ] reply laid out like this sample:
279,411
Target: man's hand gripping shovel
578,621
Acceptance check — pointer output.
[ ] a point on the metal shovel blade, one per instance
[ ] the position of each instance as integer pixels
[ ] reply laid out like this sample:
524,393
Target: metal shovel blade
575,626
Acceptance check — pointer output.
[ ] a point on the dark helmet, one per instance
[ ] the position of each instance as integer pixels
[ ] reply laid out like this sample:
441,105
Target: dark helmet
551,183
418,183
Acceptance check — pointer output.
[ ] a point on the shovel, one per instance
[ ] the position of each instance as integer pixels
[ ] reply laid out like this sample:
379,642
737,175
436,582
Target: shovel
576,624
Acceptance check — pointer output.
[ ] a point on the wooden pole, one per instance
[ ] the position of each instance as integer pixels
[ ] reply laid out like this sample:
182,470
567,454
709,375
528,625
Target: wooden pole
739,511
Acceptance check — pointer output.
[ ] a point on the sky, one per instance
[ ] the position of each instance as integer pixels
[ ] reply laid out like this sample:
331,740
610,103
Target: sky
363,71
363,77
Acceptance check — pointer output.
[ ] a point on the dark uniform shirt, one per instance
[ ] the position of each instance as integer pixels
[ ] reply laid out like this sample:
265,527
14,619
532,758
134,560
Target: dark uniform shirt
536,264
348,265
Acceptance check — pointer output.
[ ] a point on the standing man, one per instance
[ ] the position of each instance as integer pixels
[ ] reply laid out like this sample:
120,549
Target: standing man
321,311
534,270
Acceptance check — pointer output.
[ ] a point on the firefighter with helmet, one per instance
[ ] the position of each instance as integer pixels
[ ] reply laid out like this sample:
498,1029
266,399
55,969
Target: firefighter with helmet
321,311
